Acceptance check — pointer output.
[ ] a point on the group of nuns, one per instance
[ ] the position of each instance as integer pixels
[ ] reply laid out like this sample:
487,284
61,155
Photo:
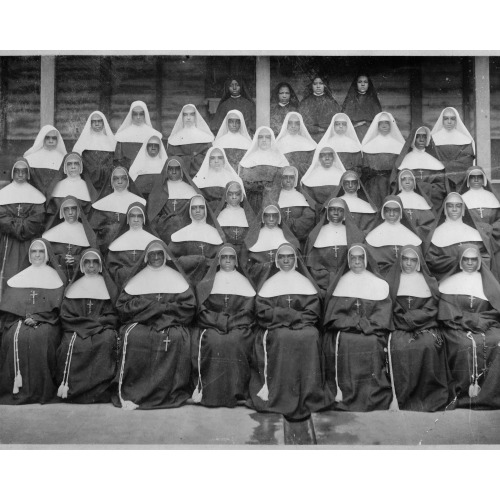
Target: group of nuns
279,273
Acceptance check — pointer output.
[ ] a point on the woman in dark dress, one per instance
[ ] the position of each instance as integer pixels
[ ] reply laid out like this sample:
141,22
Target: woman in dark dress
222,342
86,358
288,366
156,308
283,101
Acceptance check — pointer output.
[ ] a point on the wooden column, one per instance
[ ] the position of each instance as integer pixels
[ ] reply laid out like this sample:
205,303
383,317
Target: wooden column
415,92
263,87
47,90
105,86
159,91
482,112
4,71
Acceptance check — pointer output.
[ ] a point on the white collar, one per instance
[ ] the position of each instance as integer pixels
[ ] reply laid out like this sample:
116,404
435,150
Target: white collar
412,200
72,186
318,176
232,283
464,283
232,216
162,280
180,190
20,193
361,286
118,202
383,144
198,231
342,144
36,277
287,283
479,198
133,239
136,133
268,239
65,232
357,205
292,198
420,160
453,137
88,287
330,235
45,159
453,232
413,285
392,234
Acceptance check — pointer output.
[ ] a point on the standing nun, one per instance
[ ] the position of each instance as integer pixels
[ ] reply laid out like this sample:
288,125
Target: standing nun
96,145
283,101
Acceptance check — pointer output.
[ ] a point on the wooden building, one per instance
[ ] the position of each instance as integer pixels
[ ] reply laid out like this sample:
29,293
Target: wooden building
63,90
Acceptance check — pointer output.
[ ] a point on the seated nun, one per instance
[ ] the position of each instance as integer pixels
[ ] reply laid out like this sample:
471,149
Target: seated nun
222,343
394,232
454,227
416,205
326,248
215,172
235,215
109,213
323,175
357,322
469,310
45,157
298,209
288,367
455,147
259,168
342,138
418,365
233,137
146,169
156,306
197,244
71,181
70,237
96,145
361,206
135,129
22,217
31,332
86,357
295,142
419,155
167,203
381,147
191,138
125,251
266,234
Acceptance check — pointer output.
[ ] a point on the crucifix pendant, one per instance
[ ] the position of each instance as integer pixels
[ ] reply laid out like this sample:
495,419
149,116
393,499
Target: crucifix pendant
89,305
167,341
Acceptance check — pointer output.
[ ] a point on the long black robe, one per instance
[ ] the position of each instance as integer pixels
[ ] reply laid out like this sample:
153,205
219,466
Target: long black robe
377,169
318,112
155,357
92,368
456,160
125,153
278,114
120,263
192,154
242,104
99,165
295,368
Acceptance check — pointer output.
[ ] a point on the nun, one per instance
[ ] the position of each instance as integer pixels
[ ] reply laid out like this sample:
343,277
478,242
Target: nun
284,100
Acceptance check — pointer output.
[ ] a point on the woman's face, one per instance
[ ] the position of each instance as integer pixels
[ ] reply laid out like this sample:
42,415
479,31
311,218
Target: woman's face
153,149
264,141
198,211
384,127
216,159
119,180
288,181
392,213
470,264
409,262
449,120
138,115
91,266
73,166
233,124
362,84
50,141
318,86
293,126
476,181
135,218
227,262
37,254
20,175
340,127
70,213
357,260
454,210
350,186
420,140
326,158
336,214
284,95
286,260
271,220
234,88
96,123
174,172
407,183
189,117
234,195
156,258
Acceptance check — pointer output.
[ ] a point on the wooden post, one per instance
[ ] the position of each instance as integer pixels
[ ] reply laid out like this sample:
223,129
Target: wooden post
415,92
47,90
159,91
263,87
482,109
105,86
4,71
